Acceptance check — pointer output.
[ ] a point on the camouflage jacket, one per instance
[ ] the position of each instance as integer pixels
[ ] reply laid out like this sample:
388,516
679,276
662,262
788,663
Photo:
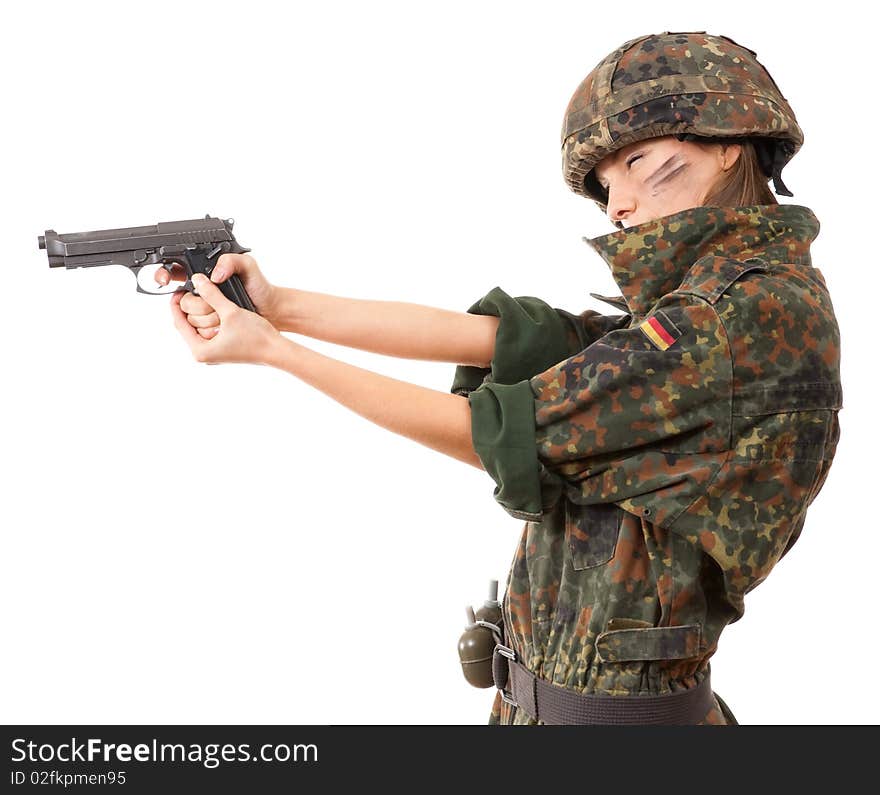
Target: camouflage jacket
664,457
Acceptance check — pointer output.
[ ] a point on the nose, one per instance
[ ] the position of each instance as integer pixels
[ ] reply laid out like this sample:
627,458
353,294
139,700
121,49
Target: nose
621,204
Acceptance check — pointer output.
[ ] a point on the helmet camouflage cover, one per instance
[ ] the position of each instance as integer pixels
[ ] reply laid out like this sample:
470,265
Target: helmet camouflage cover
692,85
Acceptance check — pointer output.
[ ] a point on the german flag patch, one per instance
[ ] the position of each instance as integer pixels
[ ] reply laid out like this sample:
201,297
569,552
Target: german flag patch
660,330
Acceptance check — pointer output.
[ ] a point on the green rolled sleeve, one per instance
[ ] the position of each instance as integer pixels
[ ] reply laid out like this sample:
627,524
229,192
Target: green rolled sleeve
503,434
468,378
531,337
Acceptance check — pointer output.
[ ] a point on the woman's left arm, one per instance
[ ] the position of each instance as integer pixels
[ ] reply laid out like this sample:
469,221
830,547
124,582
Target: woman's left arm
435,419
438,420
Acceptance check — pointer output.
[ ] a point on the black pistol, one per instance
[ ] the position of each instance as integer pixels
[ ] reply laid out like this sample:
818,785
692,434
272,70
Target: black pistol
195,244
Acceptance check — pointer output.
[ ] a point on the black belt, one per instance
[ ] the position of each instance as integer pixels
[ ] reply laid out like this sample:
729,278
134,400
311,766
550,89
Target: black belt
557,705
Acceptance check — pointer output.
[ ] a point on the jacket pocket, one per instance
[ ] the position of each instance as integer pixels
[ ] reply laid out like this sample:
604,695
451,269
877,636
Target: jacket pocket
591,533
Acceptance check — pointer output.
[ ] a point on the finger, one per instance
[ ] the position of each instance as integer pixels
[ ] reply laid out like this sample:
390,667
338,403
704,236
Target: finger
188,333
203,321
210,292
208,333
195,305
227,264
177,274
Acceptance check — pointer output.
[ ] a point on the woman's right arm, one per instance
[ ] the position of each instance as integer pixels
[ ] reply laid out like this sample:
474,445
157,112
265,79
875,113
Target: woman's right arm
392,328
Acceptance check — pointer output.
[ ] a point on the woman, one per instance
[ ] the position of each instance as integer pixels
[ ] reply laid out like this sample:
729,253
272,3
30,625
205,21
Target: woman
662,457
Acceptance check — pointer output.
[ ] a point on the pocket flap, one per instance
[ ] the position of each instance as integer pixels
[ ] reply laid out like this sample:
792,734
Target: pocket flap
650,643
591,533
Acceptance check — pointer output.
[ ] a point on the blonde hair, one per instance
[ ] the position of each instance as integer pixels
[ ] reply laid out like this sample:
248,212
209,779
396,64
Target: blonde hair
744,184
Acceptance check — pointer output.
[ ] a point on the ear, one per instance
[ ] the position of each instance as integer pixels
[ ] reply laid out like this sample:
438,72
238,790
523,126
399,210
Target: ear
729,155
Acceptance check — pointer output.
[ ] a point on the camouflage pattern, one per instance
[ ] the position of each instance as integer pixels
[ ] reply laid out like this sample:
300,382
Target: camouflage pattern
659,485
671,83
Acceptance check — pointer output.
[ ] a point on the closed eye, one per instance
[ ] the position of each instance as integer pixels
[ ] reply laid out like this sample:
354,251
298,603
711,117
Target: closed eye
632,159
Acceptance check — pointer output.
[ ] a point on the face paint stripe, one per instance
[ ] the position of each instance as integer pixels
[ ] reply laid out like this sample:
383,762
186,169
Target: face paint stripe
669,170
661,170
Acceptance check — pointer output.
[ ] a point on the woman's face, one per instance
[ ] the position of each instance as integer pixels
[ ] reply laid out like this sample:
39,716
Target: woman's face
661,176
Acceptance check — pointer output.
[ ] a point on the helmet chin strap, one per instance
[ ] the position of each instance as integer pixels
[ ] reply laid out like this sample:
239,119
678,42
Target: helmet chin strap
778,163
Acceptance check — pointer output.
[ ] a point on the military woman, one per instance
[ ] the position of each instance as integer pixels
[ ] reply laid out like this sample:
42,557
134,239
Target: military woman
662,457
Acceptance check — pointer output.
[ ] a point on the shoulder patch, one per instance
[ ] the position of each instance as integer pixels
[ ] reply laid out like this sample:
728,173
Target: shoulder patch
660,330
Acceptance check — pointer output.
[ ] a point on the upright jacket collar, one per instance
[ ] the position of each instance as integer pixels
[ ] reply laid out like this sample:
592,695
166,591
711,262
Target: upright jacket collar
651,259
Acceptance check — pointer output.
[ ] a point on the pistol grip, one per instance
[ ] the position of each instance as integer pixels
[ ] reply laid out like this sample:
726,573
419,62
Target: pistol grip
197,261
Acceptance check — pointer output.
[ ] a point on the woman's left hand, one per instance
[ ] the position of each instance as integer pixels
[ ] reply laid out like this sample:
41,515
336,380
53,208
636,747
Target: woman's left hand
243,336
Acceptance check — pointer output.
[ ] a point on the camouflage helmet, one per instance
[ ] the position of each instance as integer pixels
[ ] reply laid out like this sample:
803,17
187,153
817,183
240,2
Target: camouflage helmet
692,85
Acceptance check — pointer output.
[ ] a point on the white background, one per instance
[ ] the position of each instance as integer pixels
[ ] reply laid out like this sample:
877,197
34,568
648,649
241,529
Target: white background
194,544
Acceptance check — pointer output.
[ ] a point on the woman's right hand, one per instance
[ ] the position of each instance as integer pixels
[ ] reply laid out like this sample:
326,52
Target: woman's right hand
200,314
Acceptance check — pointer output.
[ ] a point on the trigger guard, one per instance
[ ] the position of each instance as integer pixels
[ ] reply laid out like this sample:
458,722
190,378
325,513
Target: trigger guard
178,289
186,287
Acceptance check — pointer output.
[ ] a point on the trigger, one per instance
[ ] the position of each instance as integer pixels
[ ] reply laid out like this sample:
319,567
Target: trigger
187,286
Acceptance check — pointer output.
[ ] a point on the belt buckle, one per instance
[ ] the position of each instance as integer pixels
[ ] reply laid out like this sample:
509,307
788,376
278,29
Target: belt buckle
510,654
